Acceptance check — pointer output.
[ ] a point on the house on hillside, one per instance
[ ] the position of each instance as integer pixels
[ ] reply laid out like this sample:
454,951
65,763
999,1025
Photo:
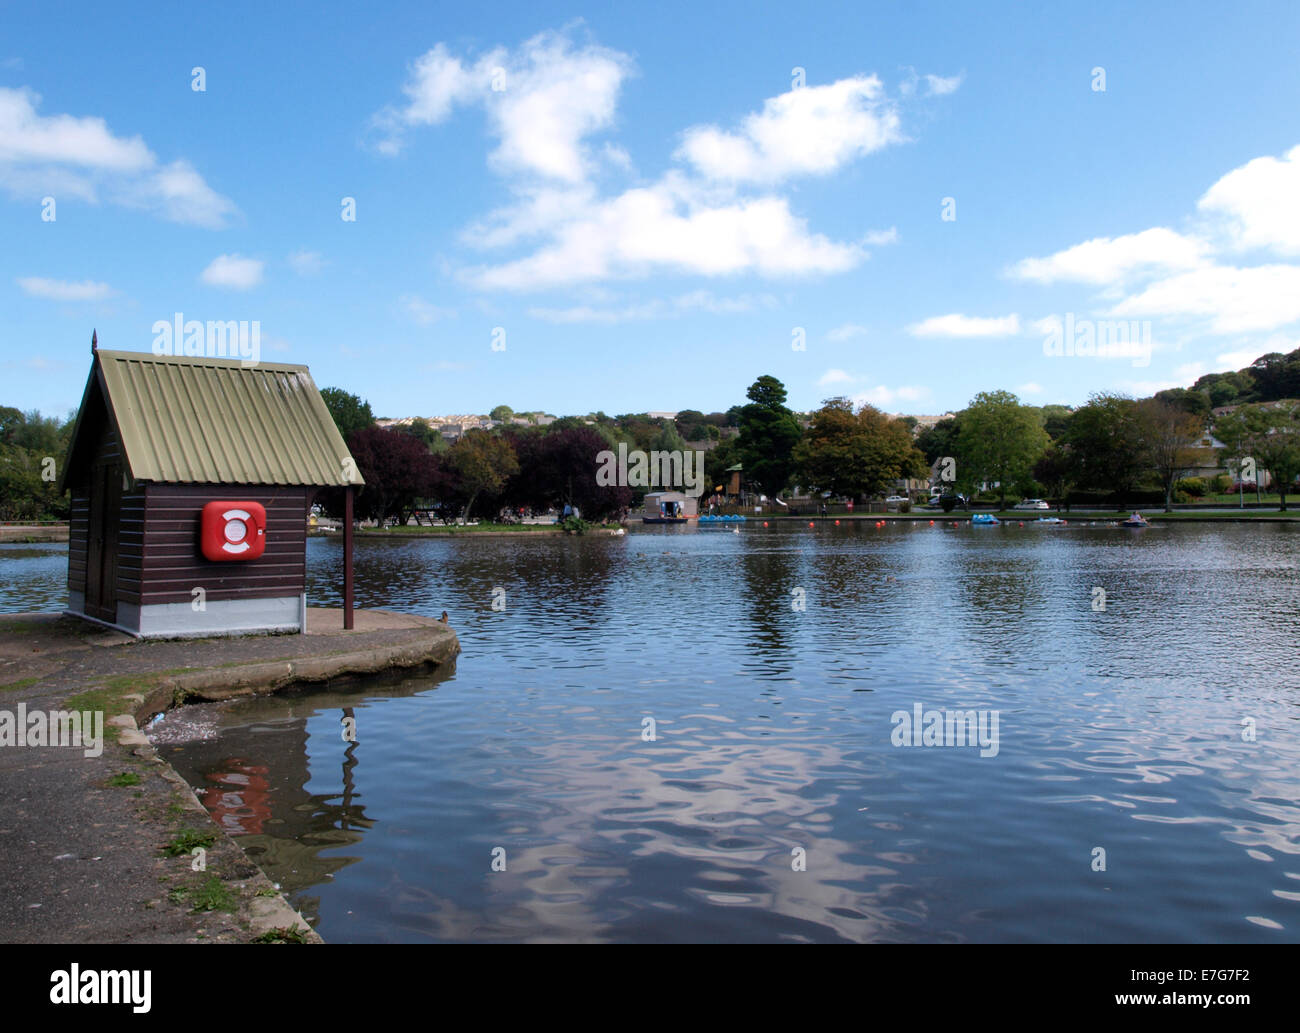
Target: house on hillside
191,482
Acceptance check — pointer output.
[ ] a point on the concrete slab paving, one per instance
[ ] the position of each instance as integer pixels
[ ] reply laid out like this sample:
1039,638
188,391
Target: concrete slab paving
82,834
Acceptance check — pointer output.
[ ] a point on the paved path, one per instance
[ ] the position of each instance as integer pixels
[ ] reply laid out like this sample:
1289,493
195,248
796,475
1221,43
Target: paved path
80,858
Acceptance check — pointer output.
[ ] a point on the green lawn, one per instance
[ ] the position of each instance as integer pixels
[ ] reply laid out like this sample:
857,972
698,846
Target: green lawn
1248,497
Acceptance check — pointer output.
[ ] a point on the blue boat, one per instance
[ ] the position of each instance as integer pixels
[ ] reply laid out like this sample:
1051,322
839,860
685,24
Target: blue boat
980,519
1136,520
729,519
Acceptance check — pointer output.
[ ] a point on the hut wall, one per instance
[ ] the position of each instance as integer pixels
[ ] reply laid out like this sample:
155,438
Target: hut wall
174,565
266,594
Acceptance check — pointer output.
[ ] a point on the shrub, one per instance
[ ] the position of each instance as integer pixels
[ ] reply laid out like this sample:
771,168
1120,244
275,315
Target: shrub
1193,486
905,506
1222,484
574,525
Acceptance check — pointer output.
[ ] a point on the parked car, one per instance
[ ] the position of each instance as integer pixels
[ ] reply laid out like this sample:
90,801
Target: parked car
898,498
946,502
1031,504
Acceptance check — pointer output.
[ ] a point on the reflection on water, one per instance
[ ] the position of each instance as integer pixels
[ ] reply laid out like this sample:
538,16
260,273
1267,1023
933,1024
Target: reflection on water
33,577
1120,729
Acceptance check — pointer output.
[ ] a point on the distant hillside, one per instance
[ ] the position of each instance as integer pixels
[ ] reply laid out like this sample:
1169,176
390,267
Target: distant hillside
1269,378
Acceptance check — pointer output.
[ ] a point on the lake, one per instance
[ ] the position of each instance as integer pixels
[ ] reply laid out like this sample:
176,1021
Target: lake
689,734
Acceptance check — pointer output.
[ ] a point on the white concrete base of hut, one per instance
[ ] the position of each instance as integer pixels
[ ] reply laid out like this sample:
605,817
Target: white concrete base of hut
216,617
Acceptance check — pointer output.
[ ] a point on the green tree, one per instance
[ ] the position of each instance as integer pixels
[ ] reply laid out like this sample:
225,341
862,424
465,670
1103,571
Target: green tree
32,451
1000,440
1055,471
1170,434
855,454
1106,444
1270,435
1190,401
419,429
482,463
716,463
768,435
350,413
1056,420
501,414
668,439
940,440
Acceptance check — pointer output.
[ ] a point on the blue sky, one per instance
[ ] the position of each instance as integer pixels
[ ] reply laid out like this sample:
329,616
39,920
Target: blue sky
648,203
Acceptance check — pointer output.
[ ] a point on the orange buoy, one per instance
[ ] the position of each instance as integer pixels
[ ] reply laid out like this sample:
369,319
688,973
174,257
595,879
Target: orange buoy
1022,523
764,523
837,523
810,523
931,523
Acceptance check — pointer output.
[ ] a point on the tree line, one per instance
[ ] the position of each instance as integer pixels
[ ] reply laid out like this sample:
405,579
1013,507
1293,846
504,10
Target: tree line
32,449
1113,450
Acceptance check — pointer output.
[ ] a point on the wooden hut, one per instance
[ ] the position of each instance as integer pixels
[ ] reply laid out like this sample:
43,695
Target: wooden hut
669,507
191,482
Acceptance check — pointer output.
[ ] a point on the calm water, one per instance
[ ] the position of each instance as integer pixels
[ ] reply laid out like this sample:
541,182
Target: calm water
1119,729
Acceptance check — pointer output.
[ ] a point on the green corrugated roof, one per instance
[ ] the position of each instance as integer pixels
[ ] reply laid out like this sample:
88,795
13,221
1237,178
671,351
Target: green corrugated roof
216,421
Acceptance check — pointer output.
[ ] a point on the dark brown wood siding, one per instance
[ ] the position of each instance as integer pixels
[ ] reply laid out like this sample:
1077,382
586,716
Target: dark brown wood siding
173,565
78,533
129,541
130,548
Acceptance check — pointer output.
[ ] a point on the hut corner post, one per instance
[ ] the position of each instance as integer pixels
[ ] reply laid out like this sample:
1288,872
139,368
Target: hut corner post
347,559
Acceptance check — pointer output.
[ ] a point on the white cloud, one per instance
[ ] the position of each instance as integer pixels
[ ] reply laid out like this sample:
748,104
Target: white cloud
939,86
1233,300
233,271
657,308
810,130
552,95
846,332
881,396
81,157
63,290
957,325
1107,260
422,312
1030,388
1146,388
1239,359
306,263
935,85
661,229
26,137
540,210
1260,202
179,193
556,94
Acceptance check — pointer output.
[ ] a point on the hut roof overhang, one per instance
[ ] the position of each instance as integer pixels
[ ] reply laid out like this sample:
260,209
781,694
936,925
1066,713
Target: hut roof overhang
197,420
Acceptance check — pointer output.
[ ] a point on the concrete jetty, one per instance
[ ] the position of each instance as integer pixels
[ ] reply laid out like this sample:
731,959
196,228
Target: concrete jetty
98,845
